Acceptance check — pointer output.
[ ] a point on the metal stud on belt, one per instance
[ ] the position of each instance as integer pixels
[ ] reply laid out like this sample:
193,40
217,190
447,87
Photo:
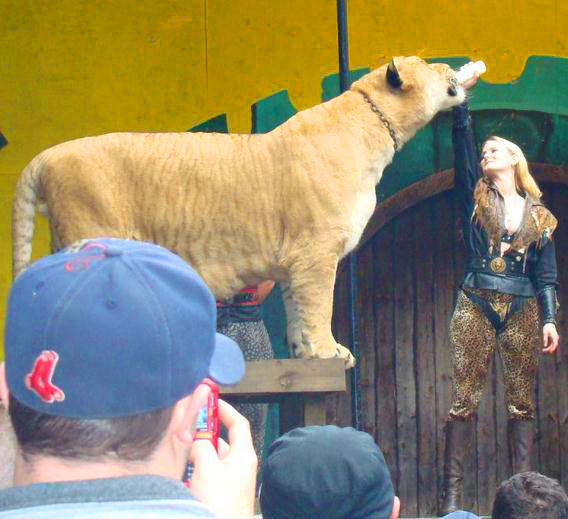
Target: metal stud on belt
498,265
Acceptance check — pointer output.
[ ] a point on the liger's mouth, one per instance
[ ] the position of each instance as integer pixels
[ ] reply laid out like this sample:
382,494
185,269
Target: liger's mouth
453,88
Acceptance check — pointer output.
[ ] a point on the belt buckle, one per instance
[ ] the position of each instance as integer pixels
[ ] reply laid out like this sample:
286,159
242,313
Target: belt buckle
498,265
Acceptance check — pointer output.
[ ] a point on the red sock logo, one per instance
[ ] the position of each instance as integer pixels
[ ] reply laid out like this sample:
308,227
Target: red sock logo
39,380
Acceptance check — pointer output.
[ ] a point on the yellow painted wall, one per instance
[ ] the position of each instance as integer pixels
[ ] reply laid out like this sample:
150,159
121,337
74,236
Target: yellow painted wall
501,32
70,68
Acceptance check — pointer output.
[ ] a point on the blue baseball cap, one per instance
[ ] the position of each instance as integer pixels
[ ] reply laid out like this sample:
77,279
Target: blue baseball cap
109,328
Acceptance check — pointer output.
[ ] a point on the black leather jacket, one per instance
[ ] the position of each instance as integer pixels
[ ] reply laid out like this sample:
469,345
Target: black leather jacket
524,273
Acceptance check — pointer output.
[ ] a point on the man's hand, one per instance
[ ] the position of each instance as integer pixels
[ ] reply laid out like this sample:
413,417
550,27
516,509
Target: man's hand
226,481
549,338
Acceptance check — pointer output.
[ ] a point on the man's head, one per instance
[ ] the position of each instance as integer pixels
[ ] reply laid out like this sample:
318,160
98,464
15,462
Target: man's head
103,341
326,471
530,495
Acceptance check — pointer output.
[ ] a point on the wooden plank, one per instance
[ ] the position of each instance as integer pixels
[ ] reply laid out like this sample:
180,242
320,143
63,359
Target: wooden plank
331,409
425,366
383,306
405,199
366,327
444,289
291,413
404,358
343,403
547,391
339,405
548,417
486,446
329,418
290,376
470,460
314,409
559,206
503,457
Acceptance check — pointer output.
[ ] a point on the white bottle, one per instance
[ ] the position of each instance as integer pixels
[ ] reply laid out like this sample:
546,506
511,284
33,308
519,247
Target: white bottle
469,70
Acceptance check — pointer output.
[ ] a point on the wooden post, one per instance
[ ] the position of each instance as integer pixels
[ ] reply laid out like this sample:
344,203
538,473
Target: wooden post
314,410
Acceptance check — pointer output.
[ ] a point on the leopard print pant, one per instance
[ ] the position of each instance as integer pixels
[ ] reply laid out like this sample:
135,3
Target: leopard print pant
253,339
474,339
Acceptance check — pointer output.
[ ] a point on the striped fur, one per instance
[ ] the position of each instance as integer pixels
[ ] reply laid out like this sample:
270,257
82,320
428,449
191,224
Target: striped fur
285,205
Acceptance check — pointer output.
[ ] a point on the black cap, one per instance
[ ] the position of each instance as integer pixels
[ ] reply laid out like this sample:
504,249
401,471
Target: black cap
326,471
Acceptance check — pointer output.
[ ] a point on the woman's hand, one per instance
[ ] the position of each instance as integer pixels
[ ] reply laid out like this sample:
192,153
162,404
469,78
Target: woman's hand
468,75
471,82
549,338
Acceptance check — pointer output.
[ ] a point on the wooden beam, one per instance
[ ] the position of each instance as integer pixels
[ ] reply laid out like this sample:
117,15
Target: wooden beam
269,377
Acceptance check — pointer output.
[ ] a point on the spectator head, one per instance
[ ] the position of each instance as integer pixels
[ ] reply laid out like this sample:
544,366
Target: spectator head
326,471
530,495
102,340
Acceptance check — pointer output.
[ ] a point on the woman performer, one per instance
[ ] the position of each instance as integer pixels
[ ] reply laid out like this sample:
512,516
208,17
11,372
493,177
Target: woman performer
511,265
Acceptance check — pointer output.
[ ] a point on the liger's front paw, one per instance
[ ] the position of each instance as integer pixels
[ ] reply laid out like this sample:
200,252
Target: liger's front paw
343,353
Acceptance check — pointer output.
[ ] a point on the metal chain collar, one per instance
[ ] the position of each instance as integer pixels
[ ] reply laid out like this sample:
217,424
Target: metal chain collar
383,119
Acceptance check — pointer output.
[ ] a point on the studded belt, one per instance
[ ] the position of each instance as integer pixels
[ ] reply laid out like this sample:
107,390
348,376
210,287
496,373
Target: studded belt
511,265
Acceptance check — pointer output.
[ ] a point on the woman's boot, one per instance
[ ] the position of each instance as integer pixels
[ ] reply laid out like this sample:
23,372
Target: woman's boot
458,438
520,433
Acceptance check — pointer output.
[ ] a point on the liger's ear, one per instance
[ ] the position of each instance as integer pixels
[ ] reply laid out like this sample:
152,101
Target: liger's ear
393,76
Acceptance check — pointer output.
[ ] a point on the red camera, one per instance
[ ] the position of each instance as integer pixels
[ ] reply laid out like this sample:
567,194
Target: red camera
207,427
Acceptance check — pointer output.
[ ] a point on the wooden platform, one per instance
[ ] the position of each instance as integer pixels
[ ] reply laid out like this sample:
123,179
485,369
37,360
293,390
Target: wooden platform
299,385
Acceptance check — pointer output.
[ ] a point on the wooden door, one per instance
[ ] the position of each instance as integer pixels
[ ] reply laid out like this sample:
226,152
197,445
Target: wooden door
408,273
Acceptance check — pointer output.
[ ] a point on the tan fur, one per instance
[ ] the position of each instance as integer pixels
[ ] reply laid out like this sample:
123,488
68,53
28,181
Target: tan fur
286,205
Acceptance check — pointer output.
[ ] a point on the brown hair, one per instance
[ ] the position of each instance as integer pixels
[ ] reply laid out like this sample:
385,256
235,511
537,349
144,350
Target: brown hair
530,495
128,438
